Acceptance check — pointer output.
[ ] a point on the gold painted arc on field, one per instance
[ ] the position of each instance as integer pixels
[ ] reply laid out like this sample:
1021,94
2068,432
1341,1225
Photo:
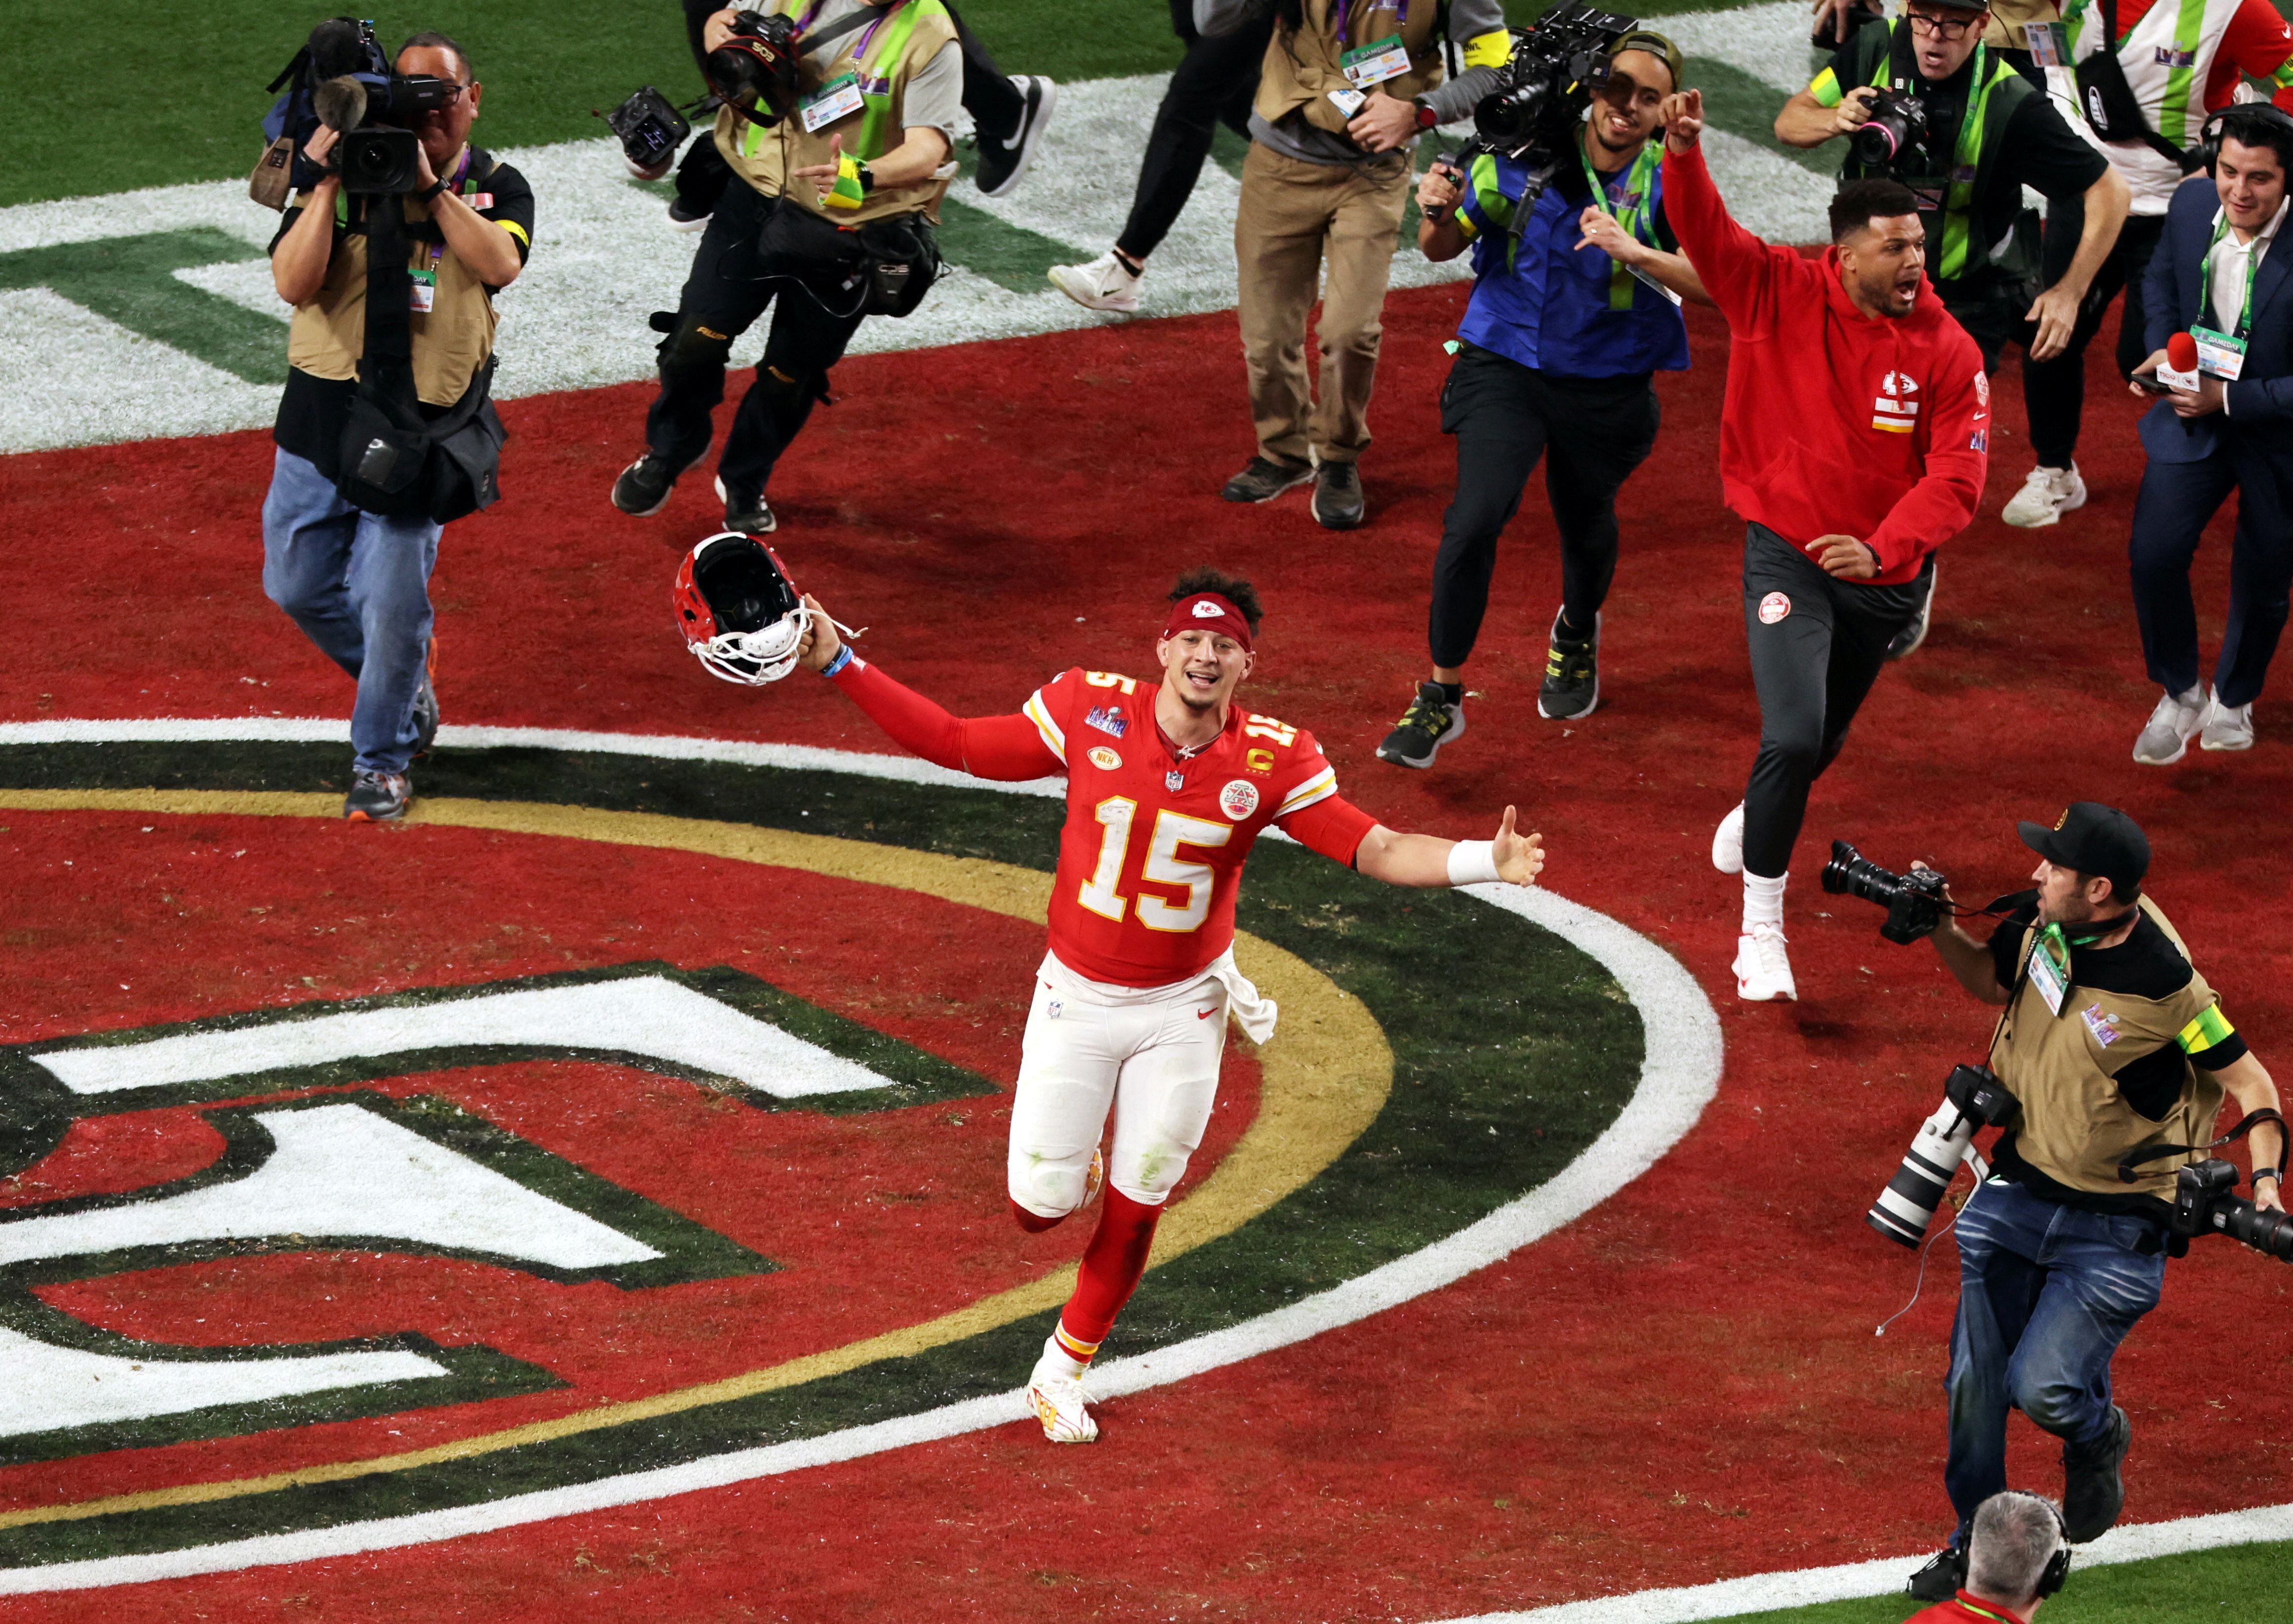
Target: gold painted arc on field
1323,1083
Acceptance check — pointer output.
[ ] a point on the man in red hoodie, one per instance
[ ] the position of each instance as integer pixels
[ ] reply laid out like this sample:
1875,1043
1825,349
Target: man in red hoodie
1853,443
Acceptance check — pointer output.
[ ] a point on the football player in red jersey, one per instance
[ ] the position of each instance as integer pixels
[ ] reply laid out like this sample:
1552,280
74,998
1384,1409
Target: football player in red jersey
1168,788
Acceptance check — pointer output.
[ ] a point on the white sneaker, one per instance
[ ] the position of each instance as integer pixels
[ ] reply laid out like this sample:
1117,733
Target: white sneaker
1058,1397
2046,494
1763,972
2227,727
1728,842
1102,284
2178,718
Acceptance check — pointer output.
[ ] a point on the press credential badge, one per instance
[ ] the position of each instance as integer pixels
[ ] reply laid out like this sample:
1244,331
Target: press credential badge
830,102
2219,354
426,290
1375,62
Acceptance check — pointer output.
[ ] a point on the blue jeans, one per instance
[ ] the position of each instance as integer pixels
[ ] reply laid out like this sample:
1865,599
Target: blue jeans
2045,1293
359,586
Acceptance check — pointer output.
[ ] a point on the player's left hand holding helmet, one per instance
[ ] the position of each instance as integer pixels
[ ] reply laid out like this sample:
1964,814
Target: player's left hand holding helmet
740,614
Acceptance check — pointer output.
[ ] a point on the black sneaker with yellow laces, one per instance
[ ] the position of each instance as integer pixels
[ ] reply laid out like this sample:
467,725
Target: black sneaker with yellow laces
1572,674
1435,717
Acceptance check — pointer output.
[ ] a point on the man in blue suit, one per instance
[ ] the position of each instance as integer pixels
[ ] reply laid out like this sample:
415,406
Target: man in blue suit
2217,275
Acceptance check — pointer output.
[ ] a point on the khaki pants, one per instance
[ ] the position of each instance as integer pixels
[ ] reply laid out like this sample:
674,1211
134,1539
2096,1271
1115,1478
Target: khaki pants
1295,217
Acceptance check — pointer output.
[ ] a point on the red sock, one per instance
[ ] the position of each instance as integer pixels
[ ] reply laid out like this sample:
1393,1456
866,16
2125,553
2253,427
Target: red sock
1034,1224
1111,1267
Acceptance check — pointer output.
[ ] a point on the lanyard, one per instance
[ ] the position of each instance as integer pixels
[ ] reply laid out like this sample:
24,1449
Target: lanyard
2252,267
1346,18
1638,181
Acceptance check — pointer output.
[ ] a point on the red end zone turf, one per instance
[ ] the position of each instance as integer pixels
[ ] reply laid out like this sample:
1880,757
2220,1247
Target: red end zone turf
1682,1386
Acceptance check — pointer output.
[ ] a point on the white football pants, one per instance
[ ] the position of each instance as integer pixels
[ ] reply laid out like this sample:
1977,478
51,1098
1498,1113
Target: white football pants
1149,1054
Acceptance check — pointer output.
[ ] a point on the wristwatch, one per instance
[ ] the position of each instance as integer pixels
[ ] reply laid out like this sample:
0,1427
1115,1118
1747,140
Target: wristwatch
431,193
1426,116
867,178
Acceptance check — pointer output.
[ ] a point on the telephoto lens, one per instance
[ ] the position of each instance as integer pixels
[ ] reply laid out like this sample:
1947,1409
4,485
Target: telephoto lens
1908,1205
2263,1231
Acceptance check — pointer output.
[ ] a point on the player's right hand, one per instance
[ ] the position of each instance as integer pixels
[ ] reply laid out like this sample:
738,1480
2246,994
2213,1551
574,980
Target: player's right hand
819,642
1519,857
1683,119
1853,112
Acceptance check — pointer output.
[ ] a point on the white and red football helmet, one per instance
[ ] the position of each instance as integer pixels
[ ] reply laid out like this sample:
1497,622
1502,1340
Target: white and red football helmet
740,614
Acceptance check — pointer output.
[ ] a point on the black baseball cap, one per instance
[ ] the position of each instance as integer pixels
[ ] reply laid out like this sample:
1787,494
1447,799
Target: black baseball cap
2095,840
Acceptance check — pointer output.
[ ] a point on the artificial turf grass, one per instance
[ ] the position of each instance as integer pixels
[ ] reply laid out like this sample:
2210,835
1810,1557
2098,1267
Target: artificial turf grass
2239,1584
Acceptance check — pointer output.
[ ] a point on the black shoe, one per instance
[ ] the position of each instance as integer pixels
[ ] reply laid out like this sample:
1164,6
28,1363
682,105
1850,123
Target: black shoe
1002,164
1906,641
376,798
1265,479
684,219
1430,722
425,704
751,514
642,489
1943,1578
1572,675
2093,1491
1337,496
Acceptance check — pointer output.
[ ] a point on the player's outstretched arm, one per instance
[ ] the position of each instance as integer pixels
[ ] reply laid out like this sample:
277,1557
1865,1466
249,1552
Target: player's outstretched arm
1428,860
1006,748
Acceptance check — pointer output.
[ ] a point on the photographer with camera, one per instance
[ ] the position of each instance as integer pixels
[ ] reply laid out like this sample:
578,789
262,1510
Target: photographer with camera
1844,504
349,563
1346,88
1925,100
838,126
1571,316
2110,1061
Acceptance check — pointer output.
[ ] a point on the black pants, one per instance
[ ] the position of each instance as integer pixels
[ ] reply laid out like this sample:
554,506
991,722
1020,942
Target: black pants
2053,392
2177,502
1214,83
1592,433
1817,644
995,103
722,299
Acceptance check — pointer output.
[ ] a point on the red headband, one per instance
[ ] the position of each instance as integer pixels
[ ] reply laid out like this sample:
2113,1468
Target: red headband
1208,612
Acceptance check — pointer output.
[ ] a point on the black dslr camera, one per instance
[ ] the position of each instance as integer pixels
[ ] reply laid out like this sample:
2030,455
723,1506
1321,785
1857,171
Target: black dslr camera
1896,130
342,80
2204,1203
1556,67
651,128
756,71
1914,901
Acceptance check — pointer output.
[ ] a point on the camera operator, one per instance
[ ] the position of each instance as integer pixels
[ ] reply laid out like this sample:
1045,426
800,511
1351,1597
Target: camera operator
1346,88
872,125
1569,322
2112,1043
2016,1558
357,583
1844,503
1989,133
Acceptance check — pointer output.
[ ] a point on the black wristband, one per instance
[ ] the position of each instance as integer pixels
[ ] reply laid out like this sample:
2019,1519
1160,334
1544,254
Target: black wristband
2260,1174
867,178
430,193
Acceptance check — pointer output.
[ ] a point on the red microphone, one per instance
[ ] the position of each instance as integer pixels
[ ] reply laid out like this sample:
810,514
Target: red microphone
2182,353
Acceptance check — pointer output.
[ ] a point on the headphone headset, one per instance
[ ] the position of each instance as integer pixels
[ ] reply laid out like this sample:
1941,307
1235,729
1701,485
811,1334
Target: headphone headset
2058,1565
2209,135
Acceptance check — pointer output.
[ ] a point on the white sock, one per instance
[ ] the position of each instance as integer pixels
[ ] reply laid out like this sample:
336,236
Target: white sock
1061,1361
1763,900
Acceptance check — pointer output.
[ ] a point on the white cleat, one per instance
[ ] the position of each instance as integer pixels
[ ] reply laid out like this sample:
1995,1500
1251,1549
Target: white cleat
2046,494
2227,727
1058,1397
1763,972
1728,842
1101,284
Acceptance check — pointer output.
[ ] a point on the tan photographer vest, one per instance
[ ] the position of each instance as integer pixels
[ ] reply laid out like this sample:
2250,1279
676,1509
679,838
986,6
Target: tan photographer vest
882,57
2075,1123
451,342
1302,67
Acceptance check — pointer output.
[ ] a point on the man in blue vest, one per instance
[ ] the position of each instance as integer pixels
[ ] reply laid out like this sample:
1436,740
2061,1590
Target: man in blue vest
1990,133
2217,275
1572,315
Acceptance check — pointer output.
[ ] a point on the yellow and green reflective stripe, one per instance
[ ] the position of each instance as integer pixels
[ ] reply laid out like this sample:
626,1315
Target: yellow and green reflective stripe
2210,1027
2283,77
1497,208
1825,88
2174,115
1492,49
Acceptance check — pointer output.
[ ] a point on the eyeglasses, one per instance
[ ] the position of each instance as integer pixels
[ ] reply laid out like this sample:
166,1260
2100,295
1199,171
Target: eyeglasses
1945,27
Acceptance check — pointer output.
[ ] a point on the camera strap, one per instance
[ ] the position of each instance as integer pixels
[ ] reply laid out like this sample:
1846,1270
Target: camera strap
2140,1154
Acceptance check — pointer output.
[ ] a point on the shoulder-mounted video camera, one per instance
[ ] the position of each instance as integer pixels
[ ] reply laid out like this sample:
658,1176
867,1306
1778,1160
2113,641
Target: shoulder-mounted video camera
341,79
1914,901
1558,64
